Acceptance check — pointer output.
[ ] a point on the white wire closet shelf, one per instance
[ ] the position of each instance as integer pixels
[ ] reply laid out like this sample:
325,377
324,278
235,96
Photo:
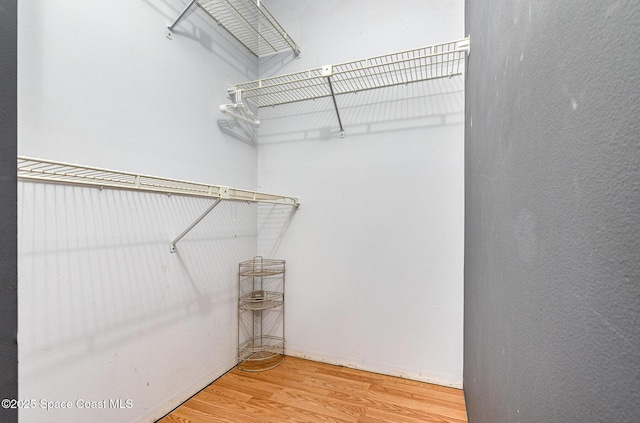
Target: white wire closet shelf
49,171
59,172
421,64
249,22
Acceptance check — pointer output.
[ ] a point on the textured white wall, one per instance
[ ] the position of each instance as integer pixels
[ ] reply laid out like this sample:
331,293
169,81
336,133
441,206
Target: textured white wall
105,311
375,255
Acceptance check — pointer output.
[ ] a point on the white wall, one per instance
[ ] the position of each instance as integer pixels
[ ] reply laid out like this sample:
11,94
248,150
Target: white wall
105,311
101,84
375,255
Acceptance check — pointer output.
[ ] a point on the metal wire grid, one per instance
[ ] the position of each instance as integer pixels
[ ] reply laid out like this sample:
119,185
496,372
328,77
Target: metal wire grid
259,266
260,351
57,172
251,24
261,347
261,300
431,62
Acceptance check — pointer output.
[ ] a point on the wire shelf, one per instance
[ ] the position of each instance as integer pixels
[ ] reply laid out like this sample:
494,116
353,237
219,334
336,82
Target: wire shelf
261,353
251,24
261,300
421,64
39,170
261,347
259,266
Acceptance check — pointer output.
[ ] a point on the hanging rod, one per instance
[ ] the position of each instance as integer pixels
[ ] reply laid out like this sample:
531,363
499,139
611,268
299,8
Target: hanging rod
421,64
249,22
39,170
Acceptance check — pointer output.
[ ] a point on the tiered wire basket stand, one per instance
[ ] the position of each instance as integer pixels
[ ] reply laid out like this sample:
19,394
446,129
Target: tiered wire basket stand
260,314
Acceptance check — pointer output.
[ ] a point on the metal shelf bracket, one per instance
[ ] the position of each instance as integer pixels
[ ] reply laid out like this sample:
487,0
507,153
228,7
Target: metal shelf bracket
335,105
186,231
464,45
178,19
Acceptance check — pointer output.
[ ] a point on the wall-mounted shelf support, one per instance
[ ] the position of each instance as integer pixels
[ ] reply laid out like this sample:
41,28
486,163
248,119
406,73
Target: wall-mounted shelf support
186,231
335,105
49,171
249,22
422,64
179,18
465,45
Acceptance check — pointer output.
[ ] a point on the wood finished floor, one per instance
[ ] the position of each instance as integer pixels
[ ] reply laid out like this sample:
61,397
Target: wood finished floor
306,391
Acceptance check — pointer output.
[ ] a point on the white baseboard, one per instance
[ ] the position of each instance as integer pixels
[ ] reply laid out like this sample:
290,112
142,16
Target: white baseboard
381,368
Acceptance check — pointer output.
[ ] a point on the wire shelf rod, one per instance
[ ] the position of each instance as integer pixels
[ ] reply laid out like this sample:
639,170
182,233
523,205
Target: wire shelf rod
287,79
320,89
352,77
41,170
454,47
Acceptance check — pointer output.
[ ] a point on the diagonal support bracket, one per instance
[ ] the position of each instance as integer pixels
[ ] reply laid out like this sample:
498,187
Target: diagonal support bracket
178,19
327,72
186,231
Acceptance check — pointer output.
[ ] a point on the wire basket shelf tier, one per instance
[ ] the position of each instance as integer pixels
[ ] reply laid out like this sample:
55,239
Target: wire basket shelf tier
251,24
261,300
261,313
261,353
261,267
261,347
421,64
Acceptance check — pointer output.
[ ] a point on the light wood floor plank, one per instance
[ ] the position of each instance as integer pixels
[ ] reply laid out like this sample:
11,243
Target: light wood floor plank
297,414
302,391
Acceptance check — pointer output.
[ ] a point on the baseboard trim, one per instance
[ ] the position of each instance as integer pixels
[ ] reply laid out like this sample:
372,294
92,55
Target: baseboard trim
380,368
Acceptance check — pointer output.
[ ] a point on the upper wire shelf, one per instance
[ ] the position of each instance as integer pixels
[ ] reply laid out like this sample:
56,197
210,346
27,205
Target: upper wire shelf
421,64
39,170
249,22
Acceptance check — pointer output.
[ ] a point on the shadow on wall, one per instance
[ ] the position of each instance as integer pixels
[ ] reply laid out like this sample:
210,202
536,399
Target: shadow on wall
422,104
272,65
273,222
96,271
242,131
